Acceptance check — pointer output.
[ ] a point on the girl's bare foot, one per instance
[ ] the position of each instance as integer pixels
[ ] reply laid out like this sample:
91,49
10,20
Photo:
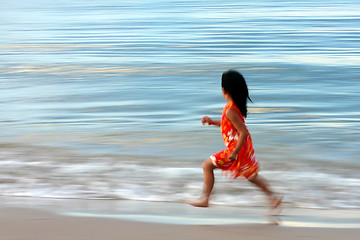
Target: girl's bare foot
275,205
199,202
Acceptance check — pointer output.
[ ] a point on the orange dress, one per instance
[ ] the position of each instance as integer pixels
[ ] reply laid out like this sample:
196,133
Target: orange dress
246,165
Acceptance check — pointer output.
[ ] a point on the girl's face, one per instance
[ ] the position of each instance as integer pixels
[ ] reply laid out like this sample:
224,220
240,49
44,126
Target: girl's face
226,95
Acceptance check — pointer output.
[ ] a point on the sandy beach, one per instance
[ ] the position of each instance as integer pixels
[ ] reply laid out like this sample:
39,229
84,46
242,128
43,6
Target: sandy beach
156,221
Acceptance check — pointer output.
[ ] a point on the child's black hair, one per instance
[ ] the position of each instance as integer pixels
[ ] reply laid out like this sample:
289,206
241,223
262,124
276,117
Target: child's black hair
234,83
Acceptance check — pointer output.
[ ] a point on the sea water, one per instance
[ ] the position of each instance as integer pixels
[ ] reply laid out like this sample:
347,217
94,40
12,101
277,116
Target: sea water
103,99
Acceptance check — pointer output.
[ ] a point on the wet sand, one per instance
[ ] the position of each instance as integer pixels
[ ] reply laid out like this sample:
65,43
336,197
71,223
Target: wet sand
157,221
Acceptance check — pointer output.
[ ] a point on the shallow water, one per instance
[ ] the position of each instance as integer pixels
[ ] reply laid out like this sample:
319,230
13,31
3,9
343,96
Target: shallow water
104,99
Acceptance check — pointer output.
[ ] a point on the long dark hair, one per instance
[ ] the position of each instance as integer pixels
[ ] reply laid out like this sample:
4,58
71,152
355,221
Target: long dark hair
234,83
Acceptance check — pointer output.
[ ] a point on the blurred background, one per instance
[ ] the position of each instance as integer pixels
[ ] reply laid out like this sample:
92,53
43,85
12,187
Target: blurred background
103,99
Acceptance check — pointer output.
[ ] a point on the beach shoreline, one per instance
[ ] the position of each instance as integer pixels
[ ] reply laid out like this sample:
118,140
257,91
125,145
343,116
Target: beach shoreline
92,219
38,224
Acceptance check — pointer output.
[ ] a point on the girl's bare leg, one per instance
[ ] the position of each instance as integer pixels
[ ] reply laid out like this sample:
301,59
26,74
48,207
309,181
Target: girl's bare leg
275,199
209,180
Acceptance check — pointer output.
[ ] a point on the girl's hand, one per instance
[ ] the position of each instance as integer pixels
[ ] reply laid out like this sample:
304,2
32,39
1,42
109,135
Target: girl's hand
232,156
206,121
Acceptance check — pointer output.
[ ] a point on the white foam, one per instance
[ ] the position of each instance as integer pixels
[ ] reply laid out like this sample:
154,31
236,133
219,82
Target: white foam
169,219
213,220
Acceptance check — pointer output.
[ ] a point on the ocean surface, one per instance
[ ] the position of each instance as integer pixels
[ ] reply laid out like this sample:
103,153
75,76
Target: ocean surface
103,99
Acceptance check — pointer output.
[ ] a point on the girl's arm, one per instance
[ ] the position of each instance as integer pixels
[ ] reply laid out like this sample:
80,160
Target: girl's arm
240,126
209,121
